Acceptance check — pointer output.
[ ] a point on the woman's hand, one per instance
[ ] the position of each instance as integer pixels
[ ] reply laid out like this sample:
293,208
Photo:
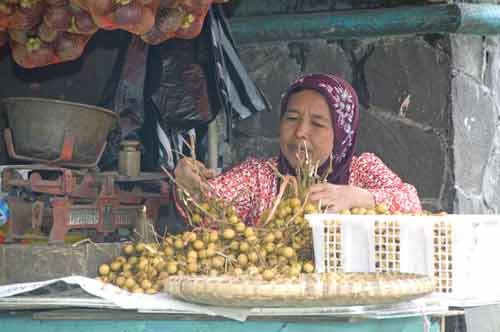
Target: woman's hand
190,174
340,197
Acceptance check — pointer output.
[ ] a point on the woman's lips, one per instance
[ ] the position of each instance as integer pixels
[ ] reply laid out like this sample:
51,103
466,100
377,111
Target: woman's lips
299,150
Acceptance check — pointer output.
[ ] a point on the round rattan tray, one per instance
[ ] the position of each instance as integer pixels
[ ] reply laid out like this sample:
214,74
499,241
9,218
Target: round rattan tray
309,290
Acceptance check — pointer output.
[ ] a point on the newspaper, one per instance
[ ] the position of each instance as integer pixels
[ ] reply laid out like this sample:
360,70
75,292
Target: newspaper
127,300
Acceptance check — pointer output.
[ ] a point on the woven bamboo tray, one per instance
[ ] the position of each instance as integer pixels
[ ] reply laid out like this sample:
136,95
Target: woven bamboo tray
309,290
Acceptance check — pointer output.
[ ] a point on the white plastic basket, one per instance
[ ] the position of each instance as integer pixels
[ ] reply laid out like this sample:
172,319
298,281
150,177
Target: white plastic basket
459,251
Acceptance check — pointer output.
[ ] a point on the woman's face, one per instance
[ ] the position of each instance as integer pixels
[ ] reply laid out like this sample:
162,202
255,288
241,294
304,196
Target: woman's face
307,119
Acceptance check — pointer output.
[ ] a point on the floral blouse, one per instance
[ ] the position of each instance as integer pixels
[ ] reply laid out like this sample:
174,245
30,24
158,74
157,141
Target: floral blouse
253,185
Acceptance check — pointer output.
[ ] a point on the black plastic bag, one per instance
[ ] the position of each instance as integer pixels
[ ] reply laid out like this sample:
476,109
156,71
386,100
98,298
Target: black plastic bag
124,94
181,85
182,94
237,92
201,76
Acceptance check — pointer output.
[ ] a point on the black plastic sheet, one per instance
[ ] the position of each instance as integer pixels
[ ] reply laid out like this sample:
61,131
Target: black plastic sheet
179,85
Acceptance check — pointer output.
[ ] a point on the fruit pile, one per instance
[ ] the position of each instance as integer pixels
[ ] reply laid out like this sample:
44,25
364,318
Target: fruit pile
219,242
280,248
44,32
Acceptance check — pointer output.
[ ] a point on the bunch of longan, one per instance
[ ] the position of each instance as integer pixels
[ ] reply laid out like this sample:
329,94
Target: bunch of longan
280,246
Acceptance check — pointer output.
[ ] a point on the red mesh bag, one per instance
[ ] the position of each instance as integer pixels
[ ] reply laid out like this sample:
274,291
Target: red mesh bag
135,16
169,18
194,21
34,52
61,35
68,17
6,11
26,14
69,46
57,3
4,21
3,38
177,19
20,36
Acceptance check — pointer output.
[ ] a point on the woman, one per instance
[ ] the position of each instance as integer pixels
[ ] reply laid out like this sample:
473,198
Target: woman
320,112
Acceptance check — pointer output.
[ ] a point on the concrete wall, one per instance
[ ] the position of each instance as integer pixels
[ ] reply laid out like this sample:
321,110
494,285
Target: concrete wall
23,263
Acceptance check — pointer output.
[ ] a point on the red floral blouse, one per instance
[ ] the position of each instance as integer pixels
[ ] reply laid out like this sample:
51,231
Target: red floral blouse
253,185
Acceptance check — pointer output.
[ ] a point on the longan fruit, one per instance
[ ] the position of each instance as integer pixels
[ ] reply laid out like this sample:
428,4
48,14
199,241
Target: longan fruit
244,247
213,236
228,234
240,227
139,247
308,267
130,283
116,266
146,284
196,218
198,245
242,259
104,269
120,281
171,268
268,274
288,252
128,249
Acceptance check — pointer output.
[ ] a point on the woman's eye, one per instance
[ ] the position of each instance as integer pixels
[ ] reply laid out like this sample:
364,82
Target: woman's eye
318,124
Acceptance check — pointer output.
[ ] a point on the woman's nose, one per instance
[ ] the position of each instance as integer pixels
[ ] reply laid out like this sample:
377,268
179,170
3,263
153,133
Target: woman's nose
302,130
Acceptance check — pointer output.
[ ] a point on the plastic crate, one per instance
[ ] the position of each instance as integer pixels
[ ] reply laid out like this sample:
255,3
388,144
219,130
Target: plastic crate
457,250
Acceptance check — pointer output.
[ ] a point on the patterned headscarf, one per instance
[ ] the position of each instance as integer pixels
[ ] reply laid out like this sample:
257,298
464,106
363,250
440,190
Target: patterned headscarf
344,109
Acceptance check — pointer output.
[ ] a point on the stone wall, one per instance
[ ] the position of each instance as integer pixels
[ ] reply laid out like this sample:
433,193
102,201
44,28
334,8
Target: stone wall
475,104
414,140
446,141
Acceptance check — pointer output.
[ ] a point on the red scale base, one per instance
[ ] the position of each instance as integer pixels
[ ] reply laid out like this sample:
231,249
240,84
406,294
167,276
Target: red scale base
56,200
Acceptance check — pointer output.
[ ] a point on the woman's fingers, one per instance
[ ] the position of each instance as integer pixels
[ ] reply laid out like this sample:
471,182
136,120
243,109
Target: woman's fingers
185,174
199,167
332,208
321,194
326,195
209,173
191,173
318,187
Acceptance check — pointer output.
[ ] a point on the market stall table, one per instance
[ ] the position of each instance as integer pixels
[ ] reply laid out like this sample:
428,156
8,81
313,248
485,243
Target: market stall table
75,310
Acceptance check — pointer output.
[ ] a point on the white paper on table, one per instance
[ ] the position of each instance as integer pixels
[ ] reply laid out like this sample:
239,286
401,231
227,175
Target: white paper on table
15,289
127,300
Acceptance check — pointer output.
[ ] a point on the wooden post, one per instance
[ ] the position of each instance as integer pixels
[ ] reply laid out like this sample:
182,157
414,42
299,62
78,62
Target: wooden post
144,230
213,145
